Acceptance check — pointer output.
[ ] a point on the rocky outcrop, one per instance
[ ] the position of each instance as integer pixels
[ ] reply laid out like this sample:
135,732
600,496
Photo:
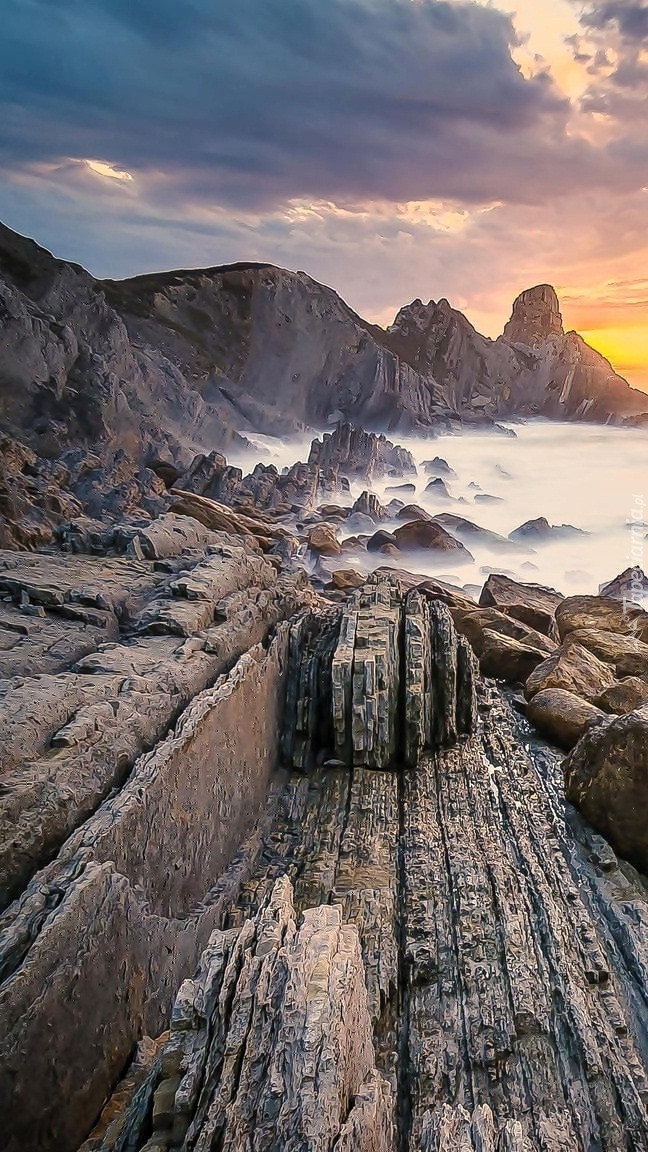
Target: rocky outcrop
356,453
160,365
298,863
132,774
271,1043
535,317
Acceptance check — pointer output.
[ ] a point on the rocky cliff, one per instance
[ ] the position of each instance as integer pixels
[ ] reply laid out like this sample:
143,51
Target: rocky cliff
167,363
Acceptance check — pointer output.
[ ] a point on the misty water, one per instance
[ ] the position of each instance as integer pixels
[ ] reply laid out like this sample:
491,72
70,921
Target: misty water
591,477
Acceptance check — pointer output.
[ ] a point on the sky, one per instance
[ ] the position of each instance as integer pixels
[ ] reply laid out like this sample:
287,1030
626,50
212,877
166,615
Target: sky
393,149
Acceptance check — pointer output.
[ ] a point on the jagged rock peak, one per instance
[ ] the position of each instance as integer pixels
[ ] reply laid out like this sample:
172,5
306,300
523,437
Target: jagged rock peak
535,317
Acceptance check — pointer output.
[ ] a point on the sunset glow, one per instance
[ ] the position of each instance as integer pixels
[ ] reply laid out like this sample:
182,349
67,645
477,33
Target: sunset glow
393,149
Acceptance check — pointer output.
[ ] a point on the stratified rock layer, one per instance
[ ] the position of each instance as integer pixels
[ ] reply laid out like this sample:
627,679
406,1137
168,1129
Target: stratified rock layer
461,961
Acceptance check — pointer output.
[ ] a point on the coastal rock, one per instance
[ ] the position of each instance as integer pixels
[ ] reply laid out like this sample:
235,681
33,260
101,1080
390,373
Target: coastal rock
628,694
562,717
468,532
532,604
603,614
631,585
535,318
286,1007
540,530
437,490
354,452
627,655
430,536
438,467
368,504
322,539
606,776
573,669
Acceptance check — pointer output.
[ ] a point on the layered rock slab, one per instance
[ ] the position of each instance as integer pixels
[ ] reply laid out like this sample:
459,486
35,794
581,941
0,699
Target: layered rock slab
271,1043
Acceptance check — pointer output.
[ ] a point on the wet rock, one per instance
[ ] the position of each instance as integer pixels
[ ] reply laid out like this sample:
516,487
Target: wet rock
507,658
413,512
381,539
507,649
346,580
603,614
606,776
562,717
468,532
402,489
358,523
574,669
485,498
533,604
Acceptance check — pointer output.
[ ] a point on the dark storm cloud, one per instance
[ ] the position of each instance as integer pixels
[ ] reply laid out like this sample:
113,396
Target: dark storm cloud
629,16
253,102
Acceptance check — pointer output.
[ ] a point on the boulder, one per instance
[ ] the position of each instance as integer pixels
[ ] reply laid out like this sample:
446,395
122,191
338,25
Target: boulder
437,488
322,539
438,467
412,512
540,529
506,658
335,511
630,585
508,649
346,580
533,604
629,657
368,504
402,488
562,717
602,613
358,523
628,694
466,530
574,669
428,535
606,777
381,539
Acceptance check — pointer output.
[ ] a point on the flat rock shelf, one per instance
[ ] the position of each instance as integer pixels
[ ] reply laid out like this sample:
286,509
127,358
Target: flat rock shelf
337,902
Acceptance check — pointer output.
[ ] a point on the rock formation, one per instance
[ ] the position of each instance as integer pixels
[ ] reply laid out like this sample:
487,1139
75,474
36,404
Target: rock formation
161,364
255,826
535,317
285,871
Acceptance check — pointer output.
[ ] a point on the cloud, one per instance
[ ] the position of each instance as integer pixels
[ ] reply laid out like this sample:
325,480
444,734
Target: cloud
251,103
630,17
